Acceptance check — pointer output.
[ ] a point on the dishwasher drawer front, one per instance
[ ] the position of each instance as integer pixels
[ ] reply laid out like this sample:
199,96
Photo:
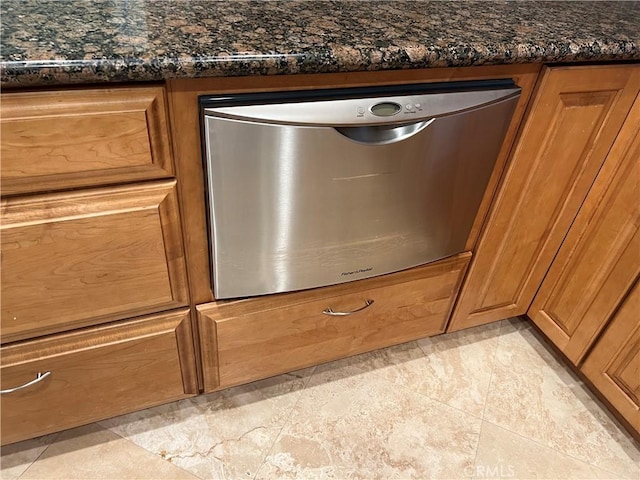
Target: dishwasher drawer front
295,207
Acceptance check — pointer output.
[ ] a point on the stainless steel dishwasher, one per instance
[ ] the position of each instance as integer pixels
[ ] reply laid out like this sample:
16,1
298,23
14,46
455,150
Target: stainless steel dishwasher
314,188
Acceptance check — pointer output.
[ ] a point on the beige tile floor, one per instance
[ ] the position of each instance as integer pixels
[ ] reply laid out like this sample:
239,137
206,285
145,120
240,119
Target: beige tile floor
489,402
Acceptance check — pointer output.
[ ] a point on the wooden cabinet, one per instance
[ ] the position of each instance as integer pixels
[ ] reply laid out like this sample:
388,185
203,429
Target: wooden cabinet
90,253
613,366
255,338
600,258
572,124
95,373
63,139
86,257
92,240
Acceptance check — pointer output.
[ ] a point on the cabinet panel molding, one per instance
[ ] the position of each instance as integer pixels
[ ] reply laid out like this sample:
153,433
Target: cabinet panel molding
572,124
613,366
62,139
600,258
82,258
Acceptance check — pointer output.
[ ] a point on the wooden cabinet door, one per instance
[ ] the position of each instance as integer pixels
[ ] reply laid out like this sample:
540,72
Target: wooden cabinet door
95,373
600,257
81,258
572,124
613,366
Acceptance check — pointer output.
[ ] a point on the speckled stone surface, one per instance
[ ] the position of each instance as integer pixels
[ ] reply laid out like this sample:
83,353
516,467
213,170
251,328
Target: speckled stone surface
85,41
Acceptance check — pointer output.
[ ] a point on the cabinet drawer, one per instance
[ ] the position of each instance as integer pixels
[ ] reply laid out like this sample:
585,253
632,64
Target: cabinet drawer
249,339
82,258
96,373
58,140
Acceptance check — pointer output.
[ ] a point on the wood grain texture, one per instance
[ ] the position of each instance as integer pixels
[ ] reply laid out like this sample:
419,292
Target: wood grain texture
613,366
261,337
571,126
96,373
183,97
64,139
82,258
600,257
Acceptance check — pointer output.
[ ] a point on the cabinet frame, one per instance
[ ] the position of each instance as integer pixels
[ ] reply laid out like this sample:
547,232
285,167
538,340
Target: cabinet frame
183,106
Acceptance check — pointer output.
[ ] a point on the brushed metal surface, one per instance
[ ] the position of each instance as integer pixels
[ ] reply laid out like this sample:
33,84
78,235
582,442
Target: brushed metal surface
359,111
295,207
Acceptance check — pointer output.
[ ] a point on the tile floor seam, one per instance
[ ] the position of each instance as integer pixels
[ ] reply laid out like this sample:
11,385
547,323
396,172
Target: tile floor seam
285,423
422,394
57,435
493,368
143,448
408,389
540,341
475,455
486,396
537,442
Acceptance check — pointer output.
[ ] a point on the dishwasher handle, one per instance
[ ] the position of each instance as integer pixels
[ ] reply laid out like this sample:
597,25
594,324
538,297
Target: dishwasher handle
383,134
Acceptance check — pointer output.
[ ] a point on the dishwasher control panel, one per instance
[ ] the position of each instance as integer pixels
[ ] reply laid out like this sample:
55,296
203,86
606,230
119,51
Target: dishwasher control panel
414,105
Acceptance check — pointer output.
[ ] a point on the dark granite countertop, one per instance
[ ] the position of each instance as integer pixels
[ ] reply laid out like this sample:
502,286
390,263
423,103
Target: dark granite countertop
85,41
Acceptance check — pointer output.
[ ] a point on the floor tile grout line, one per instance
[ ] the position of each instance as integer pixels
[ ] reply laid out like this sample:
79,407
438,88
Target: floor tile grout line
143,448
475,454
57,435
486,396
539,443
405,387
481,417
557,364
286,422
493,368
414,392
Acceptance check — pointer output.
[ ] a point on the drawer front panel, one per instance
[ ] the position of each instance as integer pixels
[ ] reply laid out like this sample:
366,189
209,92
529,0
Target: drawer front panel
246,340
54,140
78,259
95,374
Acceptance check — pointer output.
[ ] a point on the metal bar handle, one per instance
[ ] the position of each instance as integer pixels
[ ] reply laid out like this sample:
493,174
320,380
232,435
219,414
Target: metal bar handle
329,311
39,377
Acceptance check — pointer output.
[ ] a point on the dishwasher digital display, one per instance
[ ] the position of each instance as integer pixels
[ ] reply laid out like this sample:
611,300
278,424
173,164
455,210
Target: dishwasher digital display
385,109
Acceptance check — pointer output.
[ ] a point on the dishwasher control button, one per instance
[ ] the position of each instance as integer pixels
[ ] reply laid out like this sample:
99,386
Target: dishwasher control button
360,111
409,107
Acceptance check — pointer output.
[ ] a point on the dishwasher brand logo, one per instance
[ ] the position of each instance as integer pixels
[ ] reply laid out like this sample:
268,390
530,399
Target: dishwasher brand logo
361,270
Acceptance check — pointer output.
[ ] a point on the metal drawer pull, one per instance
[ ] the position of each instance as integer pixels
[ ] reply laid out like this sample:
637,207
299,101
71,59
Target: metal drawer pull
329,311
39,377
